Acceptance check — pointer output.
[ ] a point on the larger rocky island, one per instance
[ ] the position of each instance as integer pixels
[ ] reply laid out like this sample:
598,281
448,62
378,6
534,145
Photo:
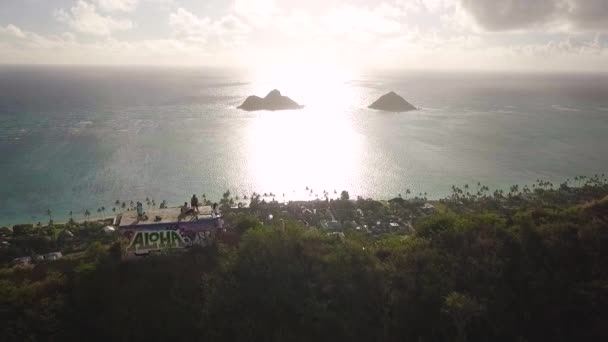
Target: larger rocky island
392,102
273,101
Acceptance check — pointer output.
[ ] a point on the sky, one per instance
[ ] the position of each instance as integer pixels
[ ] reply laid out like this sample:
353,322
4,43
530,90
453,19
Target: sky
568,35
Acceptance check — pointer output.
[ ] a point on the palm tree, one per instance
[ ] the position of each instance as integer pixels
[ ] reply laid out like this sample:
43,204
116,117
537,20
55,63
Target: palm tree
103,210
117,202
49,213
87,213
71,220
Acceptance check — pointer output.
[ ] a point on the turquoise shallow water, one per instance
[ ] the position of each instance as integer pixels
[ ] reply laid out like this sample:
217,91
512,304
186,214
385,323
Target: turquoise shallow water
80,138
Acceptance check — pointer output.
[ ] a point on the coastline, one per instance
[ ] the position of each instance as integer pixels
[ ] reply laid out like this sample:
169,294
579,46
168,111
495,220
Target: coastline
474,187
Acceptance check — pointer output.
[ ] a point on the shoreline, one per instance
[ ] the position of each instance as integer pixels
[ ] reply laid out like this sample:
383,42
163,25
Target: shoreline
575,182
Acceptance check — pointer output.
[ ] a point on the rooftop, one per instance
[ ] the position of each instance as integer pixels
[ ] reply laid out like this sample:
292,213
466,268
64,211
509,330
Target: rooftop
167,215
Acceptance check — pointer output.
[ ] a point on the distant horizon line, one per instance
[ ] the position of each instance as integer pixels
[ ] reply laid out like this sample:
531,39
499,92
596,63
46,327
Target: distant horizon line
361,69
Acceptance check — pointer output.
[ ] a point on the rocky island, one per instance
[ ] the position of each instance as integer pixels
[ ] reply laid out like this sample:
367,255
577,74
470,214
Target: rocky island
392,102
273,101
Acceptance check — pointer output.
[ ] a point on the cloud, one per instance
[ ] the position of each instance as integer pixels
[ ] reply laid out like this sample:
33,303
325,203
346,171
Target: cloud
565,15
231,25
228,30
472,51
341,24
510,14
437,5
588,14
26,39
12,31
258,13
231,31
356,20
21,46
118,5
84,18
188,26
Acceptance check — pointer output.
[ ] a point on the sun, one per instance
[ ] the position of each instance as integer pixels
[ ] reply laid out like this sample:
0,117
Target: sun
310,84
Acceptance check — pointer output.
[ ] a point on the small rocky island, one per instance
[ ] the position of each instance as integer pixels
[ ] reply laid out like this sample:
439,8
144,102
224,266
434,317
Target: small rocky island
273,101
392,102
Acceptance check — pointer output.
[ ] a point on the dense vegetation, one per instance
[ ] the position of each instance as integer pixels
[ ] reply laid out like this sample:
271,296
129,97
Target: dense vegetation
529,265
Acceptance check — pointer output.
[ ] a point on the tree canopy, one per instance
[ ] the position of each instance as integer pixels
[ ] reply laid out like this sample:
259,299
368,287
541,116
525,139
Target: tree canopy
503,269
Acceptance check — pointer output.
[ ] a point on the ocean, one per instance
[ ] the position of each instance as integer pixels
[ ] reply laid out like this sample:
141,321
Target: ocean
78,138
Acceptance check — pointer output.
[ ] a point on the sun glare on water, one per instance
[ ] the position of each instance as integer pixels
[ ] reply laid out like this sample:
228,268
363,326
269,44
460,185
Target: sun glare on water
315,147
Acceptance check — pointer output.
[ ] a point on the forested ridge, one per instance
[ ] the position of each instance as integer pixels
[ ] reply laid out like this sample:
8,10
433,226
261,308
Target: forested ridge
526,266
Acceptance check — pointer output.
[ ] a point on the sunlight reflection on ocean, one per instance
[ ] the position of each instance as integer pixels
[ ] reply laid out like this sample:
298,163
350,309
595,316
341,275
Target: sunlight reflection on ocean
316,144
